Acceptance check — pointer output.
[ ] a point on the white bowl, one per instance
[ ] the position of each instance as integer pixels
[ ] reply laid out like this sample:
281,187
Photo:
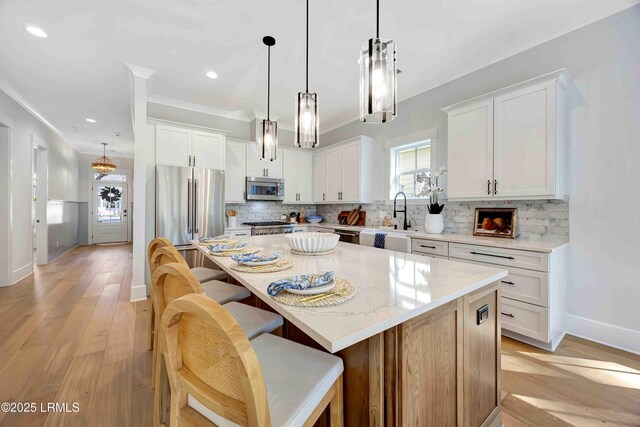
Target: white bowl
313,242
314,220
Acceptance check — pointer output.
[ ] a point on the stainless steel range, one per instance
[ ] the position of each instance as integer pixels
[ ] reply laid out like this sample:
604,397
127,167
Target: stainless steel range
261,228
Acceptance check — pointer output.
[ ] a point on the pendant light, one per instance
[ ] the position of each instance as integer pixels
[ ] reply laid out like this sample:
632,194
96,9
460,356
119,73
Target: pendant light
103,165
378,78
307,120
268,136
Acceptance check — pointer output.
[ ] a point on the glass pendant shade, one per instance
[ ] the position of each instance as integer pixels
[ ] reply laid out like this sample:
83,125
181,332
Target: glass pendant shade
103,164
378,81
268,140
307,121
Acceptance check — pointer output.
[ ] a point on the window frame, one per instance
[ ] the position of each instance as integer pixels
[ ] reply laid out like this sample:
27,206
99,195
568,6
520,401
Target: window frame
394,176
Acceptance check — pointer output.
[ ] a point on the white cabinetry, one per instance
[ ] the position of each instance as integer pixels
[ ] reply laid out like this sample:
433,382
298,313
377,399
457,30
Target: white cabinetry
298,176
263,168
177,146
235,172
533,294
344,172
509,144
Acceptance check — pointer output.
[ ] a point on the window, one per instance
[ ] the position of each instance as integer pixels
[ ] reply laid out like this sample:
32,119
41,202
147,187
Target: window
111,177
407,161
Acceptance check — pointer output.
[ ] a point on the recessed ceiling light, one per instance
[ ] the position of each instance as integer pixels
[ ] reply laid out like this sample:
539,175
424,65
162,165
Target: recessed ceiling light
91,120
212,74
36,31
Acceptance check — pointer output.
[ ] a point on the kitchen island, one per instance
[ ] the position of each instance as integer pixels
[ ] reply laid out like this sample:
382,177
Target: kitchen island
416,346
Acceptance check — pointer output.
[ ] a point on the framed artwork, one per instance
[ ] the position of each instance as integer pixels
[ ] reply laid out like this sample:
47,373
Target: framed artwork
495,222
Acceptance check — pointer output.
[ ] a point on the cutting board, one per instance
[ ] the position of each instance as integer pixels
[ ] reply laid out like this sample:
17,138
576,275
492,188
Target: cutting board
342,218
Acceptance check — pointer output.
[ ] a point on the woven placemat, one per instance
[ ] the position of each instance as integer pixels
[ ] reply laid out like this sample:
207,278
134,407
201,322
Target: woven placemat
247,250
344,291
282,264
329,252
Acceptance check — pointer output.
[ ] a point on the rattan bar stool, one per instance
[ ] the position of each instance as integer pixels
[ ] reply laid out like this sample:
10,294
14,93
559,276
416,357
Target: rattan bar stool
219,377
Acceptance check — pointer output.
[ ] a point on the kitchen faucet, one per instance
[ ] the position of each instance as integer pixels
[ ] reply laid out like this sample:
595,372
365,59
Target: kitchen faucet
404,211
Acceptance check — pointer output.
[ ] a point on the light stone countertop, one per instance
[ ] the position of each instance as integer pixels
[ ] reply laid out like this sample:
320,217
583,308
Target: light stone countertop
393,287
523,245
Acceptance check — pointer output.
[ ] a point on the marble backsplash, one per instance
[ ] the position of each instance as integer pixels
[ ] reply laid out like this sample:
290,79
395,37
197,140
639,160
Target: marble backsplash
537,220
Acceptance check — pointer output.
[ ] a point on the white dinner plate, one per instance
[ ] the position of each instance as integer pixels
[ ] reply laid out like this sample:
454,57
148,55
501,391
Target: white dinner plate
313,291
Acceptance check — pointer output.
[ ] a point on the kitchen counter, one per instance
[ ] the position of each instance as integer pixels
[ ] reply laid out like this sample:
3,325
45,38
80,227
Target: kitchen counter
419,333
524,245
392,288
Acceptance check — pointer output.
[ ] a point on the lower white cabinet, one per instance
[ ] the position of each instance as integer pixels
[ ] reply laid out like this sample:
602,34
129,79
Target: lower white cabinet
533,293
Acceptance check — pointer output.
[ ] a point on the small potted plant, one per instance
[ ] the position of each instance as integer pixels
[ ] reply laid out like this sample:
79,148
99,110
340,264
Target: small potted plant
232,217
433,221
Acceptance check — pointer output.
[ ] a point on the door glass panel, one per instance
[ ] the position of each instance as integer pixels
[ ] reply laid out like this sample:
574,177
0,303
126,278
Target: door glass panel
109,204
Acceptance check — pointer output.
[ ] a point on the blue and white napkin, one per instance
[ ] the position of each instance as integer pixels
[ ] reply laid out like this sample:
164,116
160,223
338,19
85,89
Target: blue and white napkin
244,258
216,238
229,246
301,282
379,240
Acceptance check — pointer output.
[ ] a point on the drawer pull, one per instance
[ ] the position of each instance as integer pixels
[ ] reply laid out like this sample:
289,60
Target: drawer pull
492,255
427,246
508,283
508,314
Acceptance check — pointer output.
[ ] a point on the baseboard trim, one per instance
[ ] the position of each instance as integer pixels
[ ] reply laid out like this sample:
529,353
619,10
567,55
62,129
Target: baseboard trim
604,333
138,293
21,273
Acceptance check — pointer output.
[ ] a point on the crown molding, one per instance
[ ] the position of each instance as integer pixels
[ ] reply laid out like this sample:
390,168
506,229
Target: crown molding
13,94
141,72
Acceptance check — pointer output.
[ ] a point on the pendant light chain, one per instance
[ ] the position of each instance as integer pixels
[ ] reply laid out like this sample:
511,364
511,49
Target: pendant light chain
268,79
307,85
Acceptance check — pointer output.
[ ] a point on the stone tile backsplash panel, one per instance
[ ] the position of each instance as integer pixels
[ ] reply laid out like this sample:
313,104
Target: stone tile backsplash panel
537,220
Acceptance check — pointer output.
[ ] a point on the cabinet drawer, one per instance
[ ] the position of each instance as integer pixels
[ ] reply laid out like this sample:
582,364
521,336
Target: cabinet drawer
430,255
434,247
526,319
506,257
526,286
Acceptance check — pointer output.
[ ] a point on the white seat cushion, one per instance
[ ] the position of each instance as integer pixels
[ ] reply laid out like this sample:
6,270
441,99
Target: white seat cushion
205,274
296,376
254,321
223,292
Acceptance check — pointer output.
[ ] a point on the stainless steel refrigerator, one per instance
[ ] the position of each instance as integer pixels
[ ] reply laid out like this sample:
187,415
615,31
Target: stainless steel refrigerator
189,203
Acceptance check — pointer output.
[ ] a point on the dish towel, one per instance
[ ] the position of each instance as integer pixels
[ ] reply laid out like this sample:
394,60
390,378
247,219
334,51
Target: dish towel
300,282
378,241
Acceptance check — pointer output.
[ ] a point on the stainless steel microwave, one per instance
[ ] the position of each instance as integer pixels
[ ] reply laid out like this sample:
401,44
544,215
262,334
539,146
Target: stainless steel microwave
259,188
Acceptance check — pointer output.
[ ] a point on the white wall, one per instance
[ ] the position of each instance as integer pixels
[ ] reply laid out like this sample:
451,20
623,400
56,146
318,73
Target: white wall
603,158
63,177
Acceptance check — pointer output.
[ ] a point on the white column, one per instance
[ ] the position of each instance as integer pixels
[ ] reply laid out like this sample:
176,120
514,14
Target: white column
143,180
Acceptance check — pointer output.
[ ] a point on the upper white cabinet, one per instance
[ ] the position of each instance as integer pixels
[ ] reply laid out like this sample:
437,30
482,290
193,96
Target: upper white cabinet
298,176
235,172
263,168
509,144
344,172
177,146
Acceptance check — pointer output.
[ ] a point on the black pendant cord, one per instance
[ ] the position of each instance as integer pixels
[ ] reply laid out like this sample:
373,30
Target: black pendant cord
268,80
307,85
377,19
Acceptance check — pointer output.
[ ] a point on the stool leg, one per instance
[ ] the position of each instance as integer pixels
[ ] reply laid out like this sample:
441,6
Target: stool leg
152,322
336,405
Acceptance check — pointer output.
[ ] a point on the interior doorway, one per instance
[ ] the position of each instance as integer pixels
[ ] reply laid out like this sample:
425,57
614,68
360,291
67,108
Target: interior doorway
39,203
110,213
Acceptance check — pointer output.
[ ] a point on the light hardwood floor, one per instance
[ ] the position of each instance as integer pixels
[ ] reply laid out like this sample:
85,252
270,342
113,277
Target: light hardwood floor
69,334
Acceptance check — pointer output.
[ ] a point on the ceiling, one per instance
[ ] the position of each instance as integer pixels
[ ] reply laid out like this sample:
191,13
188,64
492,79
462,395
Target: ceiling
79,70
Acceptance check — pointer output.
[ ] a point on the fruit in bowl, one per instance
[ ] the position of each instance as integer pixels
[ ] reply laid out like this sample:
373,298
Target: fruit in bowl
313,242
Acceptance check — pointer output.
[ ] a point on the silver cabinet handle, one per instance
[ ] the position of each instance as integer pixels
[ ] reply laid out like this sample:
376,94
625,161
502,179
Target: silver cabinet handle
508,283
492,255
488,186
195,205
189,160
495,186
194,160
508,314
323,197
427,246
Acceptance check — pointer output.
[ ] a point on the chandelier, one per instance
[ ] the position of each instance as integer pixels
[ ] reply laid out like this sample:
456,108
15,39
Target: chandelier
103,165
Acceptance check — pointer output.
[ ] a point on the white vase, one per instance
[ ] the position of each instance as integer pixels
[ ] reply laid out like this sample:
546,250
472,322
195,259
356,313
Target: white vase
433,223
232,221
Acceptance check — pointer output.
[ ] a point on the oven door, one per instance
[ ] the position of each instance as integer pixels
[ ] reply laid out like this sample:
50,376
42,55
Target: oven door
265,188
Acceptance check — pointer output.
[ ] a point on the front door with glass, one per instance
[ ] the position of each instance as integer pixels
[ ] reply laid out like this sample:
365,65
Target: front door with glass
110,212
